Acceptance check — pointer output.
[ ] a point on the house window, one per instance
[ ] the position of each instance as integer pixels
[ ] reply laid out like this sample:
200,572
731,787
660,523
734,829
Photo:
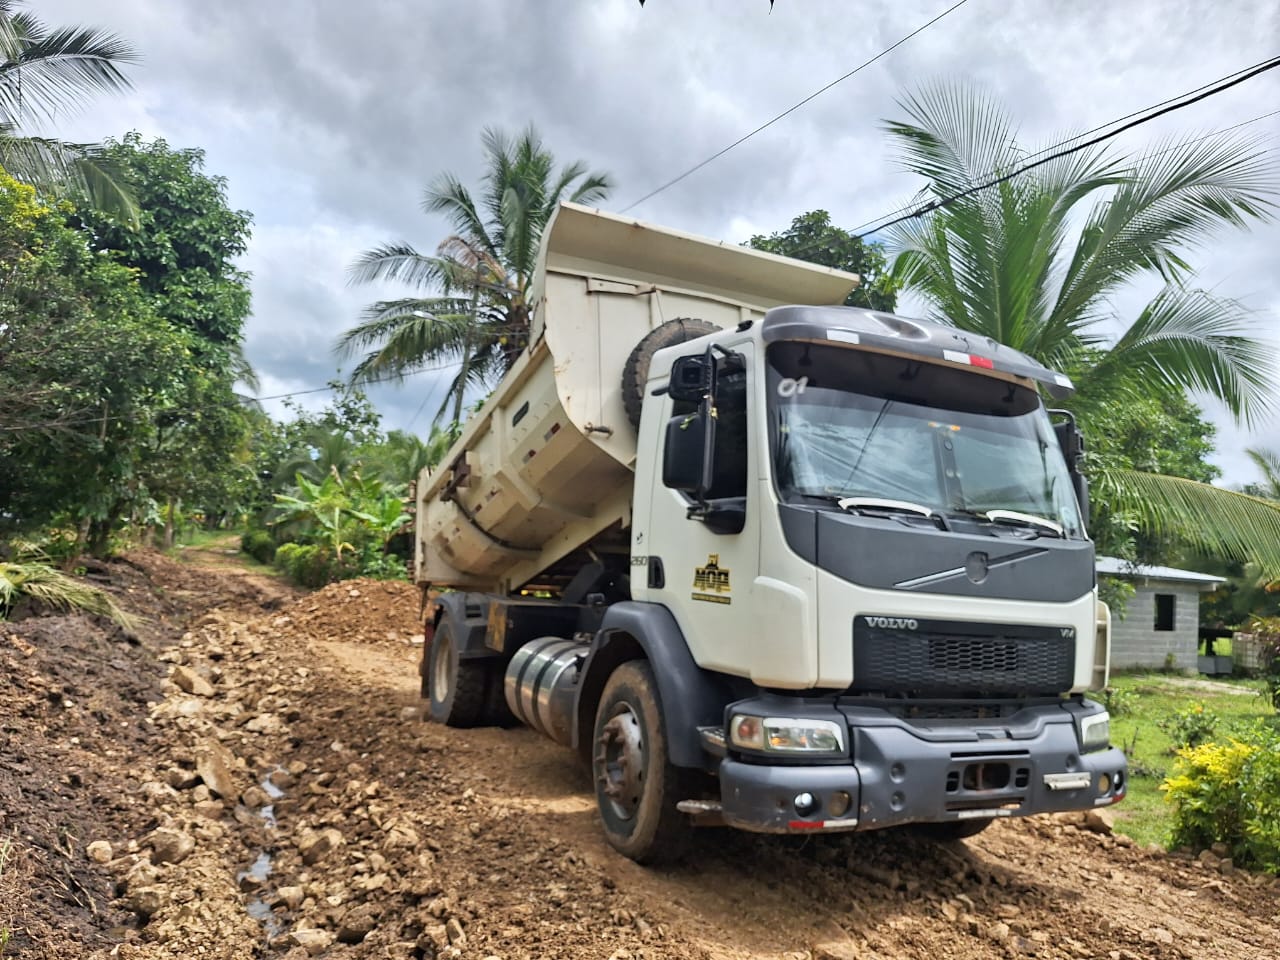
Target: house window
1164,611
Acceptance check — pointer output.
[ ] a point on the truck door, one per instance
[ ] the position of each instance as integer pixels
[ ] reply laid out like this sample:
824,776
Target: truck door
707,576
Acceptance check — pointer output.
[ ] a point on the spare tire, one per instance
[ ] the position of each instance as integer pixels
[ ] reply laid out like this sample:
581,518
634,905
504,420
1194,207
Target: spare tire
636,372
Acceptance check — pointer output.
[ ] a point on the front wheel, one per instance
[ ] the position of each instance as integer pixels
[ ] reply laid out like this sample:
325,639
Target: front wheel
637,788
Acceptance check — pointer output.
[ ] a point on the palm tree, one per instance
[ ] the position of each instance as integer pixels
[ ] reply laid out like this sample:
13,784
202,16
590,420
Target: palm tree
44,71
1034,262
476,307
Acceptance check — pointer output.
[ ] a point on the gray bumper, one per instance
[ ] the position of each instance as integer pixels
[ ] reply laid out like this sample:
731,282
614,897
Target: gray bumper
902,774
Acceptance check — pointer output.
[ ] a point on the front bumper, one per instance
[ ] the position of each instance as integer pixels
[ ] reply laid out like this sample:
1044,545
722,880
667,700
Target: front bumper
902,773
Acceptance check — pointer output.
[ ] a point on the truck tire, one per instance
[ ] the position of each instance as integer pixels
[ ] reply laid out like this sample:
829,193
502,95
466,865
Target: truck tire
950,830
636,371
456,688
637,788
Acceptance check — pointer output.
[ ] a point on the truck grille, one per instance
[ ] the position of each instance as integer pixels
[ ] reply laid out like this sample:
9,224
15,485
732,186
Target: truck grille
952,657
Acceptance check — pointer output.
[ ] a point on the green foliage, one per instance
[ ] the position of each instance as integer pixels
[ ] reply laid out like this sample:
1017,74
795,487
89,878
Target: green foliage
476,308
1115,592
44,586
308,564
1118,701
259,544
1230,793
86,368
186,243
1191,726
351,521
813,237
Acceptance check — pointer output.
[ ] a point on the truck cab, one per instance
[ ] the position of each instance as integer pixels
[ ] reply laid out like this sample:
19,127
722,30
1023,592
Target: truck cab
869,524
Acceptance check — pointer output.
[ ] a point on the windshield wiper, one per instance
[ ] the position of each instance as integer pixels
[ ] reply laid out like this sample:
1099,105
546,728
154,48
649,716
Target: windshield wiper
1025,520
878,503
873,504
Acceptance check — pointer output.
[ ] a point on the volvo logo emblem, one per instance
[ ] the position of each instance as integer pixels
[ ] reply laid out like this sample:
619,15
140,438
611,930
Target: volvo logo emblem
976,566
892,623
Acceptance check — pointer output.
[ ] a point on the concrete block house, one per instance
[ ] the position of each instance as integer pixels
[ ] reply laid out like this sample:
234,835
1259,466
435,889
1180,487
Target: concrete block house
1162,619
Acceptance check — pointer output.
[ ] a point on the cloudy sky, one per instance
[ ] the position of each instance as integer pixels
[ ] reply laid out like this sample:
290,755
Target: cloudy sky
328,118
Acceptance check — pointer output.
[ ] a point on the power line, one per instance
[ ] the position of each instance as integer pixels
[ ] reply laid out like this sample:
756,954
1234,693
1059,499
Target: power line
791,109
49,424
1103,126
1186,101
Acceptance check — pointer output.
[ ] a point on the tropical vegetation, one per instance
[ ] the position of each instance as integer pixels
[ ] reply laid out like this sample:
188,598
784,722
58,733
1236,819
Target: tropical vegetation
1037,261
472,302
813,237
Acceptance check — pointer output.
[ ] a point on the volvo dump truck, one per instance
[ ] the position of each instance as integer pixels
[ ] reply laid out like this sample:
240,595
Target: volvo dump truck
763,561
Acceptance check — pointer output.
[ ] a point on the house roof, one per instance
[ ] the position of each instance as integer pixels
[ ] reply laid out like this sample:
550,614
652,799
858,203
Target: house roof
1116,567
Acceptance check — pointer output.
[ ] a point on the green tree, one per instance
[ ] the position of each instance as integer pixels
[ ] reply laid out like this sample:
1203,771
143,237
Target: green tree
184,248
186,243
1010,263
475,310
45,71
813,237
85,367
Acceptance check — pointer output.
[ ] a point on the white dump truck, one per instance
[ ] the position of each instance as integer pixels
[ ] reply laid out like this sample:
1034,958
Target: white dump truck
764,561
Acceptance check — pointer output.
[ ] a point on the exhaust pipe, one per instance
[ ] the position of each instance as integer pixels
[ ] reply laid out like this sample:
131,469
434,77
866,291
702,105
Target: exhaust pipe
540,684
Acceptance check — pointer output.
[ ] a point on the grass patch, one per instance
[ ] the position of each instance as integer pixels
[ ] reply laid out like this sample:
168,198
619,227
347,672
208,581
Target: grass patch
1154,702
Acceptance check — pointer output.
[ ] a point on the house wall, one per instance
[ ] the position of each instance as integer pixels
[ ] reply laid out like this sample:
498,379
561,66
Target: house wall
1135,642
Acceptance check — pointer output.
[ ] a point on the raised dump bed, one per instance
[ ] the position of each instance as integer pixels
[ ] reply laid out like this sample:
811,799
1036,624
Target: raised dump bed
545,468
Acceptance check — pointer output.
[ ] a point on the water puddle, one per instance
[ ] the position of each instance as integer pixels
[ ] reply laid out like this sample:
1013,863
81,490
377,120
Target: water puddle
260,870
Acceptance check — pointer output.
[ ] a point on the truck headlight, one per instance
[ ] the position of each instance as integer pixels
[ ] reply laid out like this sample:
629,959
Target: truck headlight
786,734
1095,732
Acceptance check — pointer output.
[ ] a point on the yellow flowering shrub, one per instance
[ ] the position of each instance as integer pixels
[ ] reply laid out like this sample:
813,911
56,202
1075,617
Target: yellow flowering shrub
1229,793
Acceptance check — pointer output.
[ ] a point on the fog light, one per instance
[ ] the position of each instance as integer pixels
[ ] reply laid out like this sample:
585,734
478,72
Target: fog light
1104,783
805,804
839,803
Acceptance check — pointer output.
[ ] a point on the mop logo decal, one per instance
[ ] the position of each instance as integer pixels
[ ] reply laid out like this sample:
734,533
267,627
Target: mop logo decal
711,582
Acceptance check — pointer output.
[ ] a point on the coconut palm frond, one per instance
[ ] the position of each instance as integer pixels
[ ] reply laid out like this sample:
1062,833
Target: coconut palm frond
49,587
1191,340
1210,519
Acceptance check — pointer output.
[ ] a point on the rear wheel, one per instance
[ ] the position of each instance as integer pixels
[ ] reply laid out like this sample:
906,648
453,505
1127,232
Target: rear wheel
456,688
637,788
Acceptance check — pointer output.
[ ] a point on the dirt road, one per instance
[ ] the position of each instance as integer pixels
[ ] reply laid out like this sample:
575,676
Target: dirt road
282,797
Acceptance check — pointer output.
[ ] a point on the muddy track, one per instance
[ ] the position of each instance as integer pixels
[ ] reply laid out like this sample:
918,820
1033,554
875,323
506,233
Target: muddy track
297,805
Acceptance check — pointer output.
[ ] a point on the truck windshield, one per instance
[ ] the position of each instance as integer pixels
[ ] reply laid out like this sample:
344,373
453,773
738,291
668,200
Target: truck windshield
849,423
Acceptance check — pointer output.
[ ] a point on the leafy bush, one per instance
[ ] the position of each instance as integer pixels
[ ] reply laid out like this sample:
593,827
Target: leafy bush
308,565
258,544
1191,726
1230,793
1118,702
382,566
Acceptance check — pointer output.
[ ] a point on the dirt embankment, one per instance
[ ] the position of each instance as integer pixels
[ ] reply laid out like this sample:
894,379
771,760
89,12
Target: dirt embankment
282,797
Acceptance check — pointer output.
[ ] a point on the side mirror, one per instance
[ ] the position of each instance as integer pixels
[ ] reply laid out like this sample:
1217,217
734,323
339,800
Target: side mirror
690,379
686,456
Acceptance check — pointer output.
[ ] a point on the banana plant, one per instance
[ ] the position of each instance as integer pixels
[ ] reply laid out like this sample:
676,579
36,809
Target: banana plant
321,504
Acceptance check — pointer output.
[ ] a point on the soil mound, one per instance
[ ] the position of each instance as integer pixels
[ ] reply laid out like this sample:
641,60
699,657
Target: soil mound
357,611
